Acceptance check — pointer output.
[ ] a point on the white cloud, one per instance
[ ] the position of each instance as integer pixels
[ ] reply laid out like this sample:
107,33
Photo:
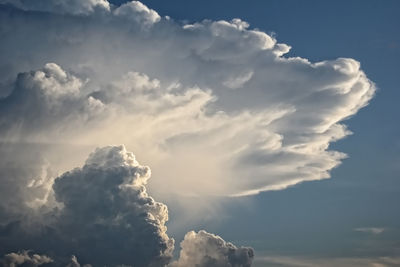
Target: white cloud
271,148
203,249
138,12
170,86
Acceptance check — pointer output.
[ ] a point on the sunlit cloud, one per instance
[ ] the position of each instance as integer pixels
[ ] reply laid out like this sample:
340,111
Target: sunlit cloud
214,106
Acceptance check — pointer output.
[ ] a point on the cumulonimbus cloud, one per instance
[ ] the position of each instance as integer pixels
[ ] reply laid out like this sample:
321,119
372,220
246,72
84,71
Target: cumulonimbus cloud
215,107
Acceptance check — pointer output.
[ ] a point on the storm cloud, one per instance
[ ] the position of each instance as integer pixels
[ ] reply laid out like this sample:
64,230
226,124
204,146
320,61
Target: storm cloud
217,108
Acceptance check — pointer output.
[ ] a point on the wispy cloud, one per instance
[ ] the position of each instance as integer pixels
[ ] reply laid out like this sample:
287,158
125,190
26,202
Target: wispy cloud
371,230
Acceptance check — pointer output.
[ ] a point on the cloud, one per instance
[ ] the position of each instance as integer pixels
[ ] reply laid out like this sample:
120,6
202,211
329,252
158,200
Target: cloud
105,216
27,179
203,249
216,107
238,81
62,6
328,262
138,12
25,258
271,148
42,99
106,206
74,263
371,230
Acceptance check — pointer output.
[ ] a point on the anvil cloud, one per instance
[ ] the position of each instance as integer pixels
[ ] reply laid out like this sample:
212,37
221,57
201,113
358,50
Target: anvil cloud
215,107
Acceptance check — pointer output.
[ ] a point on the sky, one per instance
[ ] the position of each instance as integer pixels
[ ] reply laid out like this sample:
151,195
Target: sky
269,129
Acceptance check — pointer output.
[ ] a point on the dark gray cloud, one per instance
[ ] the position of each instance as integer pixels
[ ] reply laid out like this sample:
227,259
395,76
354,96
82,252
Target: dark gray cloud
203,249
108,214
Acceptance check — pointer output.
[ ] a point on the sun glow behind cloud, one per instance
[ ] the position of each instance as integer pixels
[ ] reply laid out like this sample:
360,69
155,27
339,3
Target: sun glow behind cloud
214,106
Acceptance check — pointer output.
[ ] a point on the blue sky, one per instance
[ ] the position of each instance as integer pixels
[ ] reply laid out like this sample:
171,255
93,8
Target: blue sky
96,77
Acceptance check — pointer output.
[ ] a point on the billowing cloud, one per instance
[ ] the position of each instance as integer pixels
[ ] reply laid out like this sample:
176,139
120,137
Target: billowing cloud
203,249
42,99
106,217
103,206
106,206
138,12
